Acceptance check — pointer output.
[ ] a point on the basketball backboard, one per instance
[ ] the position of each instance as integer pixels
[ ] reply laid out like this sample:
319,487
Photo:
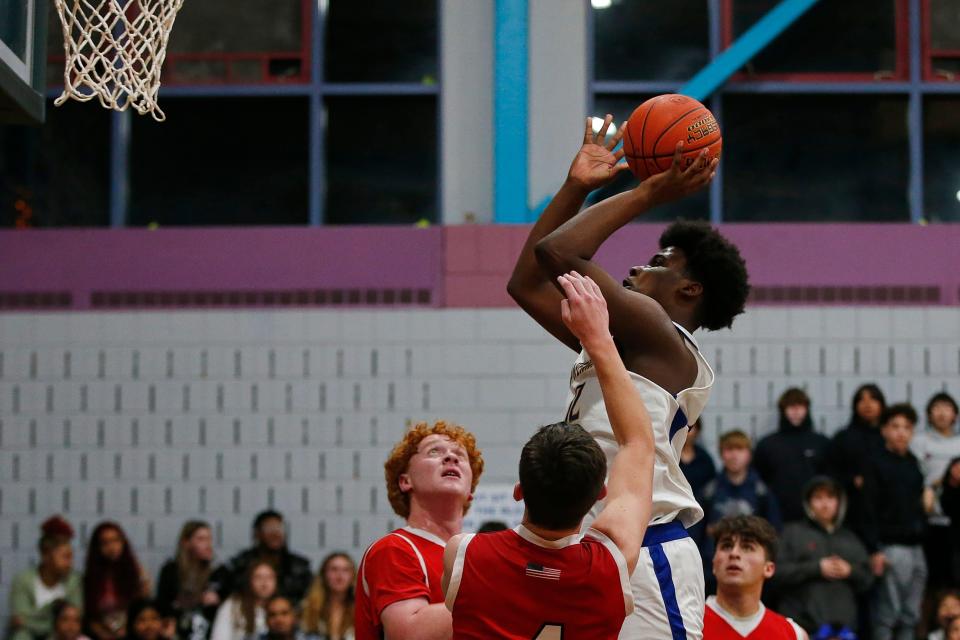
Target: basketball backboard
23,31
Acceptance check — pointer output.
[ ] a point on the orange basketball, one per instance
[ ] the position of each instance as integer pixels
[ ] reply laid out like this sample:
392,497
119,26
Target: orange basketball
655,127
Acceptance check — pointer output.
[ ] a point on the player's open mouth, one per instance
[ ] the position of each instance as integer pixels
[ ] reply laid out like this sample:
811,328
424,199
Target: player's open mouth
627,285
451,473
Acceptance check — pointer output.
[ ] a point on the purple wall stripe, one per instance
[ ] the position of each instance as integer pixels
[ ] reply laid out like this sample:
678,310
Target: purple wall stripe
460,266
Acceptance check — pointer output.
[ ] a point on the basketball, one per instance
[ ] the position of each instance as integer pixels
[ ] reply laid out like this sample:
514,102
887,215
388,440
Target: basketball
655,127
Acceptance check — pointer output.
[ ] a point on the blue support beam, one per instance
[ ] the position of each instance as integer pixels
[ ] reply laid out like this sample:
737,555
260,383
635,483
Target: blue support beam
746,47
119,167
510,111
915,118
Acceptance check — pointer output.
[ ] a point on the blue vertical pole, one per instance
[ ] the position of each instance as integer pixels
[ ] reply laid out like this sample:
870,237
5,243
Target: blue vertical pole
510,111
915,117
119,167
316,181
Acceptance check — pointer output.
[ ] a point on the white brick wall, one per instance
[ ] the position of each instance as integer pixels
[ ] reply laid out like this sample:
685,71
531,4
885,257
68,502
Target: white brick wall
214,415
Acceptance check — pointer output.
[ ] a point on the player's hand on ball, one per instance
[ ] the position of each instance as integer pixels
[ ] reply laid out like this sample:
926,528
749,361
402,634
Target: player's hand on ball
584,310
676,182
597,163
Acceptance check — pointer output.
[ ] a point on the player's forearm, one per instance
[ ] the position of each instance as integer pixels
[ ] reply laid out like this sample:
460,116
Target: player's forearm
430,622
578,239
625,408
527,272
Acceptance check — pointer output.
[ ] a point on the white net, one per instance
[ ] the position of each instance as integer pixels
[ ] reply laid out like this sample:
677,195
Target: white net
115,50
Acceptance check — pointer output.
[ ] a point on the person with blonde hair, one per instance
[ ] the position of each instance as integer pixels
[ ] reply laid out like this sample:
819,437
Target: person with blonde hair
328,607
187,586
431,475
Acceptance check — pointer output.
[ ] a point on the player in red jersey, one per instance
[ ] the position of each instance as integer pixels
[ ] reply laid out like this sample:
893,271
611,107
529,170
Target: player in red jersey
431,475
544,580
744,558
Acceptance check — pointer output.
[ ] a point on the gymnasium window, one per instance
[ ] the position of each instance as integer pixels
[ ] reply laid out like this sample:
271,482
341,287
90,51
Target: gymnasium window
649,40
941,164
942,40
833,40
56,175
815,158
210,163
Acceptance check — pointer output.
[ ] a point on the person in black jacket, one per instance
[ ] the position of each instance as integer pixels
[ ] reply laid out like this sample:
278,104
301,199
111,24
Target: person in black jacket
950,503
788,459
270,537
822,564
853,446
894,526
188,585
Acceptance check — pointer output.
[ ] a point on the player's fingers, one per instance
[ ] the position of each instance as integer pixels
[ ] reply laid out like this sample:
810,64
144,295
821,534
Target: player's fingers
588,131
565,310
566,283
578,283
620,166
698,164
602,135
615,140
593,287
677,155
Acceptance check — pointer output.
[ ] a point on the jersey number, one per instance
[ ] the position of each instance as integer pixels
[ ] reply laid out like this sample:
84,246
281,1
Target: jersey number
573,411
548,631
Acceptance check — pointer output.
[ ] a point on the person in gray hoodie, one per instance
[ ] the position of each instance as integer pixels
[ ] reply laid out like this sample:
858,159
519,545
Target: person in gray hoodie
822,565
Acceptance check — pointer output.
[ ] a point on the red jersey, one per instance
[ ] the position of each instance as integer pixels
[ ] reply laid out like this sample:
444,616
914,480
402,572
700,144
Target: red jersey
403,565
718,624
515,585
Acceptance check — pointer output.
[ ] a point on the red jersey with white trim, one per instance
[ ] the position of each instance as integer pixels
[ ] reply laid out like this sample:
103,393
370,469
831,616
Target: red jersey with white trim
719,624
403,565
516,585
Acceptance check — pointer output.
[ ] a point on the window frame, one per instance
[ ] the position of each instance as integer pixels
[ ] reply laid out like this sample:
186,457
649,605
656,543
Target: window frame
929,53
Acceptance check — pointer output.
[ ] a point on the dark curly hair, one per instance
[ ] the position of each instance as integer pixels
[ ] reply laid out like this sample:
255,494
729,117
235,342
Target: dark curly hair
715,263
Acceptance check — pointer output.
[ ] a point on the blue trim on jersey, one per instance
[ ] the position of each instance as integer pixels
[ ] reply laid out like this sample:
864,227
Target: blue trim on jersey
679,422
661,566
667,532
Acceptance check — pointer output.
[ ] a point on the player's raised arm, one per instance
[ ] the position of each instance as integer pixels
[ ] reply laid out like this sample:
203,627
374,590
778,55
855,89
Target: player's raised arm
595,164
638,322
630,479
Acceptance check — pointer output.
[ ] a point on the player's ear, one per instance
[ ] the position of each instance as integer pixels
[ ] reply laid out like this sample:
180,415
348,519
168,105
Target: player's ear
404,482
518,492
769,569
691,288
603,492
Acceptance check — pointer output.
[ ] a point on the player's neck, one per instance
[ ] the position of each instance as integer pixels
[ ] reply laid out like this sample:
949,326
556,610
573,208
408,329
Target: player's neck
736,477
740,603
442,518
550,534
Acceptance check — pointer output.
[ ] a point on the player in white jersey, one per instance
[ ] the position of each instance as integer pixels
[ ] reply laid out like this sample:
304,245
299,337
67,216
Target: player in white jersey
696,279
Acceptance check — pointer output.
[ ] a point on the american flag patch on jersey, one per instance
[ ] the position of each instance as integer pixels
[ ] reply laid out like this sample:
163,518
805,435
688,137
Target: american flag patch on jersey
540,571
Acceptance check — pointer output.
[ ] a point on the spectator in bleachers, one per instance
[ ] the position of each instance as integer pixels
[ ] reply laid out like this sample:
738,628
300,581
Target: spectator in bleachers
270,544
242,616
738,490
188,584
787,459
853,446
67,621
144,621
698,468
113,578
328,607
934,448
744,560
894,525
950,502
282,621
822,565
34,590
492,526
953,631
947,610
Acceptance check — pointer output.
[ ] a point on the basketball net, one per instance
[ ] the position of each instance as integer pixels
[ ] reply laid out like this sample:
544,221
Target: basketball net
115,50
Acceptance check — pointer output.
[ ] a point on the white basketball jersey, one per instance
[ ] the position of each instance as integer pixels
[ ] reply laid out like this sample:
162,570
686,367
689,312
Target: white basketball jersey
672,495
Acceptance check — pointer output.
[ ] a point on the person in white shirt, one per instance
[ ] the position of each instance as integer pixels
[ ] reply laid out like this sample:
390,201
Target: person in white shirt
243,616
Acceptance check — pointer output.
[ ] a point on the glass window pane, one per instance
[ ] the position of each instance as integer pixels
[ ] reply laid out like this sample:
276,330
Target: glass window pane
221,161
833,36
945,24
696,207
381,41
813,158
239,41
643,40
381,159
57,175
941,164
13,26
